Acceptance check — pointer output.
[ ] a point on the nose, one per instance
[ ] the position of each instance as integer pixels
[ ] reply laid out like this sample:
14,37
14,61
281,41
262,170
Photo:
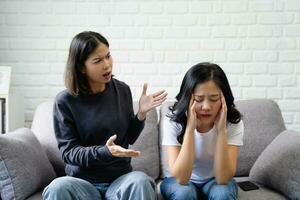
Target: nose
106,64
206,105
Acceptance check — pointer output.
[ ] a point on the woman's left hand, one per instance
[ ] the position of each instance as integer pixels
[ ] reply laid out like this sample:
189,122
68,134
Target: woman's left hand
148,102
221,119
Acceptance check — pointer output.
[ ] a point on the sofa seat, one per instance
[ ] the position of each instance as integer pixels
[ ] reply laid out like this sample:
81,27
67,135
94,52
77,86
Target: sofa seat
262,193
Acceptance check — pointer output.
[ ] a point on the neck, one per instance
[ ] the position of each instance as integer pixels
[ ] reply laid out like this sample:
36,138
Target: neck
97,88
204,128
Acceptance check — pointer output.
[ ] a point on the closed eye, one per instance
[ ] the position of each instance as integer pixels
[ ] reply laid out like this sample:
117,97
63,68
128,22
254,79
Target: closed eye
98,60
214,99
198,100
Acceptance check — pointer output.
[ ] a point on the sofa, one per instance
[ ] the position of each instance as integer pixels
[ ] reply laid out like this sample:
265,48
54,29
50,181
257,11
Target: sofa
270,156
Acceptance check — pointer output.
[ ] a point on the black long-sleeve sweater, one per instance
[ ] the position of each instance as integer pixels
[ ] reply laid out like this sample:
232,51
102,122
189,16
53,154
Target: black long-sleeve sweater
84,123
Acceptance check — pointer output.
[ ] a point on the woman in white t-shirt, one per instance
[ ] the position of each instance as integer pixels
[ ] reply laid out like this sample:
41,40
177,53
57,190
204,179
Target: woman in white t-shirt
202,134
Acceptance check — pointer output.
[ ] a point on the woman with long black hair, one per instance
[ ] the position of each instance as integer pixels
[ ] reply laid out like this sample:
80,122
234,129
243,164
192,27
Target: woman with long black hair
202,134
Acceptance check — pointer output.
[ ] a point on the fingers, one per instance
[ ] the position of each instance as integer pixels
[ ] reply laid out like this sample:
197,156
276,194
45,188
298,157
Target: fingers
122,152
193,106
111,140
191,114
161,97
145,86
130,153
156,104
223,101
191,101
158,93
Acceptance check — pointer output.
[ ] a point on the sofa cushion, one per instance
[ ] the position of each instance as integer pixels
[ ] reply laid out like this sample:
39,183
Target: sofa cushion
147,143
24,167
42,127
263,122
278,167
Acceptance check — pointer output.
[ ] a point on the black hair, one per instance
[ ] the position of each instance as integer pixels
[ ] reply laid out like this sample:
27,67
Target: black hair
201,73
82,45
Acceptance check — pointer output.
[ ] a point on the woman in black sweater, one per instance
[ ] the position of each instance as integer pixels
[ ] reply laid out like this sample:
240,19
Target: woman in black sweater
94,123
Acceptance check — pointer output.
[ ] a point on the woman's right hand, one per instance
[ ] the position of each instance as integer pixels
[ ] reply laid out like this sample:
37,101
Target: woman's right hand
118,151
191,115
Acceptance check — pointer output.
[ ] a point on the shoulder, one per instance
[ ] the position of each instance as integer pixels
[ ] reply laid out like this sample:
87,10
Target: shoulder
65,98
122,89
168,124
170,131
234,129
62,103
236,133
120,84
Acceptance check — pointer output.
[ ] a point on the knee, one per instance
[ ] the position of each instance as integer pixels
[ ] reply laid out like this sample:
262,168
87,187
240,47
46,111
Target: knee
170,189
221,192
141,179
140,176
184,192
58,186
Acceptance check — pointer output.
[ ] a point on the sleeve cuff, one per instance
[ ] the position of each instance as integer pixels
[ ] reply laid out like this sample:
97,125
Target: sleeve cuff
140,121
104,153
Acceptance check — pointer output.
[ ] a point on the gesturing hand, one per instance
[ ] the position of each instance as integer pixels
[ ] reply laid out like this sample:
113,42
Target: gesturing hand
148,102
119,151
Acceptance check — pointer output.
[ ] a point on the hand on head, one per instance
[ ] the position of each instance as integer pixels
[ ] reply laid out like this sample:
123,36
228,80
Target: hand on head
191,115
221,119
119,151
148,102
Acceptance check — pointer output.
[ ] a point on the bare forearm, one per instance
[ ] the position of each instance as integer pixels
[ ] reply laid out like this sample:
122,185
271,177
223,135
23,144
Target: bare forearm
222,170
183,166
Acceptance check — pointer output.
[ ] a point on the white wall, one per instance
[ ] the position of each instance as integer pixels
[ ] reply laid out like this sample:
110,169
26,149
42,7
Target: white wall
256,42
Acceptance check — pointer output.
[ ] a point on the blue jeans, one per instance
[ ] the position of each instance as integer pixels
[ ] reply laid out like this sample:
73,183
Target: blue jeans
172,190
134,185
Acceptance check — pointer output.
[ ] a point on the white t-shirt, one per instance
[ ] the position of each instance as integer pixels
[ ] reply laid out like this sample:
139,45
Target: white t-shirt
205,145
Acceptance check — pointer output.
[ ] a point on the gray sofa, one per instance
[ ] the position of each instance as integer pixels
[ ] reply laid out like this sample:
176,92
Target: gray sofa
270,154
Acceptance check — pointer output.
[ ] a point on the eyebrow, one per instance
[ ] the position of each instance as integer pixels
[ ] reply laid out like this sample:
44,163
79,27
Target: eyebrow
211,95
97,57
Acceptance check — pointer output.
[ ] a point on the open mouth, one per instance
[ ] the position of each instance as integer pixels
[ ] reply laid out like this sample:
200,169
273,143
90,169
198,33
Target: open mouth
107,75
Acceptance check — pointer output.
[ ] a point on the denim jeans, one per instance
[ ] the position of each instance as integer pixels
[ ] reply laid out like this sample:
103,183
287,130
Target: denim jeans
172,190
134,185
